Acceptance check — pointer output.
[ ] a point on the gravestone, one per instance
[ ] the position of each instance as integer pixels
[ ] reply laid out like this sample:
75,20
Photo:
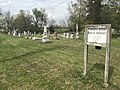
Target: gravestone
55,35
45,35
72,35
19,34
9,33
48,33
36,38
64,35
67,35
14,33
25,33
77,35
28,33
30,37
77,32
34,33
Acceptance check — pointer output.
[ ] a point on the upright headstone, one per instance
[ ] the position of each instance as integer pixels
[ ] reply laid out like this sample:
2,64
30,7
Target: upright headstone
19,34
49,33
28,33
72,35
67,35
77,32
77,35
45,35
25,33
55,35
64,34
14,33
34,33
8,33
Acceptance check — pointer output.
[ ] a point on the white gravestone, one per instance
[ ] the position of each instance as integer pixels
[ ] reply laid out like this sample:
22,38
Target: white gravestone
25,33
34,33
67,35
19,34
77,32
45,36
72,35
77,35
14,33
64,34
28,33
8,33
36,38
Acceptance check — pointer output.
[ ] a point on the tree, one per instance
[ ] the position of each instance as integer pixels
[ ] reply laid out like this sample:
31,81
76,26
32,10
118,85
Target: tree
115,14
1,19
40,18
9,22
93,11
23,21
77,15
111,13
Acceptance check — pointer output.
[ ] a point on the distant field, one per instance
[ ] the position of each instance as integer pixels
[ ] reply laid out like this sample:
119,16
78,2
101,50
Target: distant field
61,30
33,65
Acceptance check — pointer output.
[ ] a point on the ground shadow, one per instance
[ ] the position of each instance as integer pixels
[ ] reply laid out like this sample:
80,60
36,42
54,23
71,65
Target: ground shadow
95,77
101,67
42,50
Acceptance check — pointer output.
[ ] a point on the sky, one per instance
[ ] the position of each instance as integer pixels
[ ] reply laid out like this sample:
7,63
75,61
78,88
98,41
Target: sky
56,9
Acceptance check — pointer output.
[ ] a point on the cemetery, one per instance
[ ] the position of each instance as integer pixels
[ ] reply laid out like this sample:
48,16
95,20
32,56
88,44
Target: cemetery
32,64
82,53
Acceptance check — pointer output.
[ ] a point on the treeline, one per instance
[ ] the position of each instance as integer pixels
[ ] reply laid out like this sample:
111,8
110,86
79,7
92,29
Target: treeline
94,12
23,21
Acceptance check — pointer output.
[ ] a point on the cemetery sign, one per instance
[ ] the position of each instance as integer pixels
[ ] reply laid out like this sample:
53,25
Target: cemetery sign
98,35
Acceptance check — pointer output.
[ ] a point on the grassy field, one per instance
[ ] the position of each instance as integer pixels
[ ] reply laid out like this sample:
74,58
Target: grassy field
61,30
58,65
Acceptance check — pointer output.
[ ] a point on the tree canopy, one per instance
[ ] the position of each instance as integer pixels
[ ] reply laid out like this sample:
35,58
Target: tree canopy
94,12
24,21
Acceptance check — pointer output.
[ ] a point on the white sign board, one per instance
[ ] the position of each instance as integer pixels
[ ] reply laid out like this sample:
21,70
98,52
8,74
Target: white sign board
97,35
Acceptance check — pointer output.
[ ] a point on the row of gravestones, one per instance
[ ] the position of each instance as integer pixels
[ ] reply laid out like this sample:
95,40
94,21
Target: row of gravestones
71,35
30,35
16,33
45,37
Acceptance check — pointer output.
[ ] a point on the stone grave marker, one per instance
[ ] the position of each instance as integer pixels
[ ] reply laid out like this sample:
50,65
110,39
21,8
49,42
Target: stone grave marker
77,32
72,35
64,35
9,33
67,35
45,35
14,33
19,34
55,35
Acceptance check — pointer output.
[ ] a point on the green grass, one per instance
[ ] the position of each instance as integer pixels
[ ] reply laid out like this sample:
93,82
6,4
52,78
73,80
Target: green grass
61,30
33,65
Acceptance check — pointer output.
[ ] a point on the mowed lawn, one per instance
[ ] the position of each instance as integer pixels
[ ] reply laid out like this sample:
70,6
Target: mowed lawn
58,65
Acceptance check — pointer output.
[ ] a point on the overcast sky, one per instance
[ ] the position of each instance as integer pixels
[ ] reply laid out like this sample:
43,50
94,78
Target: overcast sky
56,9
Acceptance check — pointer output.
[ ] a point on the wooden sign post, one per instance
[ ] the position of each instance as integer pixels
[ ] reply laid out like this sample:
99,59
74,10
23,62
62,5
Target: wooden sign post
98,35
